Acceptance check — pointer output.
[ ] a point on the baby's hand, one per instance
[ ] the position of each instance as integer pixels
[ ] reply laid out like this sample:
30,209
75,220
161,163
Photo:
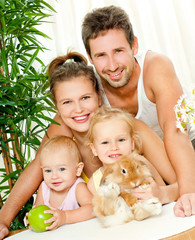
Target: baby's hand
27,222
58,219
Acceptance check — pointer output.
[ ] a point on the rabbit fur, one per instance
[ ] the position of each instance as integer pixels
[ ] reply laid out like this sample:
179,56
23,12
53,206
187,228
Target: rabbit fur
113,203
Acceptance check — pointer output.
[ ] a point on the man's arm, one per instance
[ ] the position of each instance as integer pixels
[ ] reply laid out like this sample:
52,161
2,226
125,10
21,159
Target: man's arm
163,88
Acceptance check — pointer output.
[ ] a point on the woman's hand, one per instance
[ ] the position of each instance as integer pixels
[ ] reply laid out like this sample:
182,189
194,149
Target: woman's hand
148,191
4,230
165,194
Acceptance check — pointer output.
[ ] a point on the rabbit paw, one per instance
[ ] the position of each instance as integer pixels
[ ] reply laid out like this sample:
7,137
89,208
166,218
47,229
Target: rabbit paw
111,190
147,208
153,205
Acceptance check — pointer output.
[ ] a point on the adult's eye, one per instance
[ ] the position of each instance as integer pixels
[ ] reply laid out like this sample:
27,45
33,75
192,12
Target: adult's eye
118,50
66,102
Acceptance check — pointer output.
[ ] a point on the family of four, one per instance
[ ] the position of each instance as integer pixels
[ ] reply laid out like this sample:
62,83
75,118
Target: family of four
143,84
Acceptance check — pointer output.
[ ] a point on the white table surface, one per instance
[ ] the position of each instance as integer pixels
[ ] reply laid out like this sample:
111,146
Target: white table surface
152,228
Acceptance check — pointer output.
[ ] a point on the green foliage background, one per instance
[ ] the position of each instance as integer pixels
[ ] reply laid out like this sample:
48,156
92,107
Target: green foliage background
25,102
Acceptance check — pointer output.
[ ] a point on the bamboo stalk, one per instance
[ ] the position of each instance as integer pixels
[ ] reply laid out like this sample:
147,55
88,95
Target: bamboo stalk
15,152
7,160
1,201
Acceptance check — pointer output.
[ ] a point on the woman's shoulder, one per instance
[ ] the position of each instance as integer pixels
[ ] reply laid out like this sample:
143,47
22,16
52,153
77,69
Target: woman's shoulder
60,128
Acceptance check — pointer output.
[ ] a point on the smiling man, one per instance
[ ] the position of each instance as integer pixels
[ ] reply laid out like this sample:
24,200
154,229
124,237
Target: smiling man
145,84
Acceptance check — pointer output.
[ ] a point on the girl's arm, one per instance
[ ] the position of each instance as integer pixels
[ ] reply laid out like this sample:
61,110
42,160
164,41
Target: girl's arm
90,185
83,213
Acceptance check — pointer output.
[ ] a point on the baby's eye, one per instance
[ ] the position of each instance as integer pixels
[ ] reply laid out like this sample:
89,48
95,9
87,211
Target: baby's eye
62,169
105,142
47,170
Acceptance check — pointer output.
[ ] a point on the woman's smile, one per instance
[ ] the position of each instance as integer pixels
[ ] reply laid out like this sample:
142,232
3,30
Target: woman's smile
81,119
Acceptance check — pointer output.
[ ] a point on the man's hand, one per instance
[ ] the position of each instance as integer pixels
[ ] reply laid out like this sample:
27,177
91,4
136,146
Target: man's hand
185,205
3,231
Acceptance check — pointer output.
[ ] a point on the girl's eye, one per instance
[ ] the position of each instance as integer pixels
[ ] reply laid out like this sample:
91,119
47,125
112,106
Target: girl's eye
62,169
121,140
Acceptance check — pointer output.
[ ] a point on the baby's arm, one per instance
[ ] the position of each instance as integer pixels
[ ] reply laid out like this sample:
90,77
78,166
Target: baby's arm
39,198
39,201
83,213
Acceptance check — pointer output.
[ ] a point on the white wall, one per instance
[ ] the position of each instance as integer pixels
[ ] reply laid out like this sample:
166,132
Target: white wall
165,26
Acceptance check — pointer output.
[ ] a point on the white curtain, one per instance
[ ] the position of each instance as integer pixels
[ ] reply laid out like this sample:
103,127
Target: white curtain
165,26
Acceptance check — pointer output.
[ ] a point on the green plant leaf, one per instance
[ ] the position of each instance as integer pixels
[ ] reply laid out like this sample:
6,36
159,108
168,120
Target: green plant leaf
31,60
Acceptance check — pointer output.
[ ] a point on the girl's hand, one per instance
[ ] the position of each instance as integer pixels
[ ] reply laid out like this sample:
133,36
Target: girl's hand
58,219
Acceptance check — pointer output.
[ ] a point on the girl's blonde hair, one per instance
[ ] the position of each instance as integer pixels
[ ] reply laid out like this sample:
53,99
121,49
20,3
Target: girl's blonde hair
108,113
58,142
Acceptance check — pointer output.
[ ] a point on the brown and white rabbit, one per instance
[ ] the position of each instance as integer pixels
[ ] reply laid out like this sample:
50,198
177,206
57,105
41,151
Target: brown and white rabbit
113,203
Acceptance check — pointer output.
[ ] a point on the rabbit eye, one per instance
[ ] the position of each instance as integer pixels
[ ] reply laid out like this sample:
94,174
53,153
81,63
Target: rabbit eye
124,171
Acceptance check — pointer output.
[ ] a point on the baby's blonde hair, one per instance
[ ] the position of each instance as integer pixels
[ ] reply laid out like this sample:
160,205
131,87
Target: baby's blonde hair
108,113
61,142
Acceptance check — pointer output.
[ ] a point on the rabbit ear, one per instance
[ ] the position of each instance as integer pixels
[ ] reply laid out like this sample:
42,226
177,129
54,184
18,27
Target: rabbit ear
93,149
132,144
107,172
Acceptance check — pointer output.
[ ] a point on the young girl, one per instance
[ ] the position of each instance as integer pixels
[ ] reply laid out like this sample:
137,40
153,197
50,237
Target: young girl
62,189
111,135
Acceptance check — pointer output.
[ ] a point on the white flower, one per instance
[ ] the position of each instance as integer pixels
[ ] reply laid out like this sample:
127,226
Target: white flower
185,112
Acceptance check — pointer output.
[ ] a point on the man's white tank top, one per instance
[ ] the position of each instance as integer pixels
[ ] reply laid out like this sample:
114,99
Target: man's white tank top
146,109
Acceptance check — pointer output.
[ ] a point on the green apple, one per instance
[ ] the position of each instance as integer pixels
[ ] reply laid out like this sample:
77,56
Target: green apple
36,218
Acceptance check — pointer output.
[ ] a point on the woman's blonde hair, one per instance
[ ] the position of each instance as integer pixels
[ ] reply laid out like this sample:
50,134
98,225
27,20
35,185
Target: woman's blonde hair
108,113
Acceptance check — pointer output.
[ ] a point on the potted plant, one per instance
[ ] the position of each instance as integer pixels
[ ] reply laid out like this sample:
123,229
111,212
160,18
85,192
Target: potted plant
25,104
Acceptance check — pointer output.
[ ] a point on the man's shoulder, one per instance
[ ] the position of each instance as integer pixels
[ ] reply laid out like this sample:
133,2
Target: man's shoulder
155,59
156,63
